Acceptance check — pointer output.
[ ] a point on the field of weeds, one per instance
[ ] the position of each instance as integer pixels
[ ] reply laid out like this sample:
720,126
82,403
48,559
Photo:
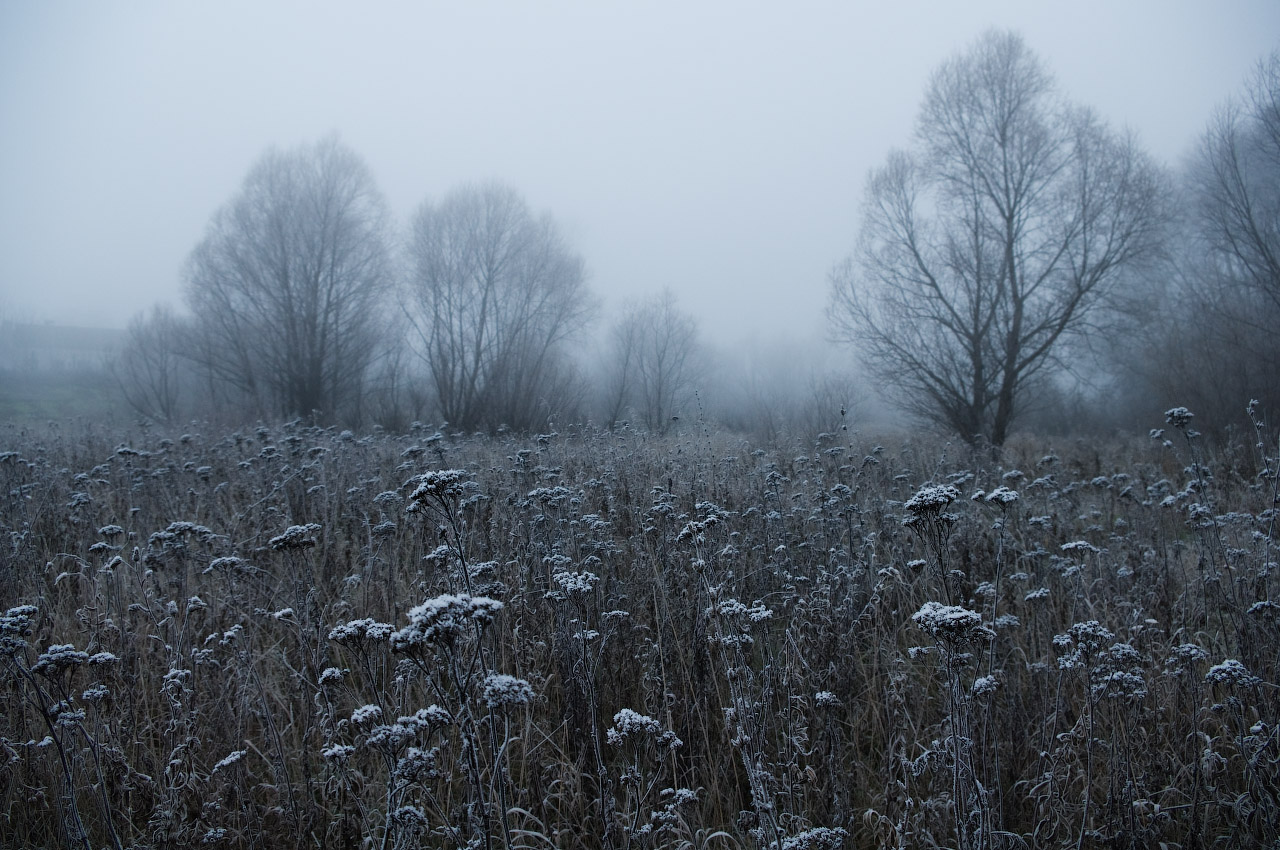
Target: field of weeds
290,637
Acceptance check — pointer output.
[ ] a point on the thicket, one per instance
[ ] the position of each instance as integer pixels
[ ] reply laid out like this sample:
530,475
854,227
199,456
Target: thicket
295,636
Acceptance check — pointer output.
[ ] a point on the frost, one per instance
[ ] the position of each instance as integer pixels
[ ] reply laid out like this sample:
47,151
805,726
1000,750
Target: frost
950,623
295,537
354,632
231,759
576,584
439,485
985,686
628,723
1079,546
332,674
826,699
818,838
1231,673
932,498
443,618
502,690
59,657
1002,496
365,714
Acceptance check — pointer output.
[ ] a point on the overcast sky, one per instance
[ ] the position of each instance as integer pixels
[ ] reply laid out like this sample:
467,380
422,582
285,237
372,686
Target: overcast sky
717,148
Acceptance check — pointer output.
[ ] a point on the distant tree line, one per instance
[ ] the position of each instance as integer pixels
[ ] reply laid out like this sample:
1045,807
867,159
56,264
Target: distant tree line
304,301
1019,265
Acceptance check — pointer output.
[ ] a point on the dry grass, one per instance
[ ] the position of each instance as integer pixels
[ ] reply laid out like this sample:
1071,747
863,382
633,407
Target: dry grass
227,643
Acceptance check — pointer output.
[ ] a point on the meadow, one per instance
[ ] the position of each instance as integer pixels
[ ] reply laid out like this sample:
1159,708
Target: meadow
292,636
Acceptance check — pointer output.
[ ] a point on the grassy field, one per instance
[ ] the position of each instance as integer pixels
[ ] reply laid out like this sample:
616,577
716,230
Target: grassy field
291,636
56,396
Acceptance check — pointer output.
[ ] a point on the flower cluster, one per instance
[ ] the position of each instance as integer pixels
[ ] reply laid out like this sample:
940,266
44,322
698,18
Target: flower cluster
951,624
356,633
1231,673
442,619
932,498
441,484
628,723
501,690
295,537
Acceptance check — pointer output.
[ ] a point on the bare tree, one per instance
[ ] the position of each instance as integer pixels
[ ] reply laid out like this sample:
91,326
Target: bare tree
289,281
1203,332
151,367
1002,231
493,297
654,362
1235,179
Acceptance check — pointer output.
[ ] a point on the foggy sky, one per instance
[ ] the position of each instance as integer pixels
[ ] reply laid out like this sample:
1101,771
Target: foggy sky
715,148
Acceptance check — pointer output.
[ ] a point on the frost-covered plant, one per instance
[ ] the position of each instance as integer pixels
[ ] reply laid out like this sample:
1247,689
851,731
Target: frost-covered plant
441,620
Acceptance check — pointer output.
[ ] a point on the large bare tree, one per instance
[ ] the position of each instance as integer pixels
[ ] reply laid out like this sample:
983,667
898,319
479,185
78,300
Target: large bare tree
289,281
493,296
1000,232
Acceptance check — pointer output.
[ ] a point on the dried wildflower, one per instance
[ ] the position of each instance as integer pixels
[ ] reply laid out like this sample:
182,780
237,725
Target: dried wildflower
332,674
15,626
985,686
231,759
1231,673
757,613
932,498
229,562
817,838
501,690
439,485
1079,546
576,584
442,619
1002,496
1007,621
295,537
417,764
409,816
629,723
392,735
1082,642
1183,657
357,632
366,714
1120,684
338,752
57,658
951,624
1178,417
826,699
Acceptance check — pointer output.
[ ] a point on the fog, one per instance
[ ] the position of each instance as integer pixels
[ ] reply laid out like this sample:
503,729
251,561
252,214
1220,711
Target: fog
717,150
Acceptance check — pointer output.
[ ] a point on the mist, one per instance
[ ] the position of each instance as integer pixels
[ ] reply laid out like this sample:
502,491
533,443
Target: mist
719,152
